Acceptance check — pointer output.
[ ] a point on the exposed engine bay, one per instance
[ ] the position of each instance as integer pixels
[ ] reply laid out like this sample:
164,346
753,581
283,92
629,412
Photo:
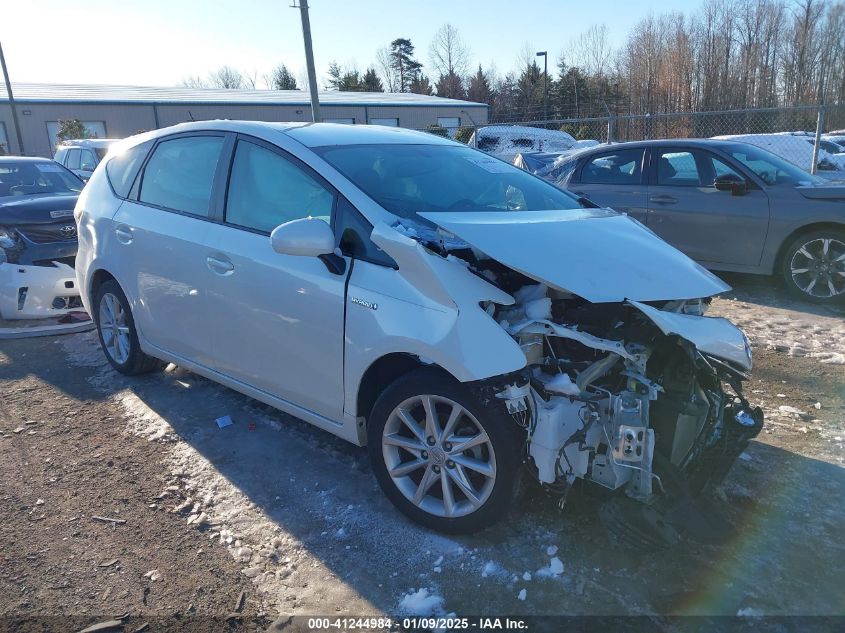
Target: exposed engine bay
643,398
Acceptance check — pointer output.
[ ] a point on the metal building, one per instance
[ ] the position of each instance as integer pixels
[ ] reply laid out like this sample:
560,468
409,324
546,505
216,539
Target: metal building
120,111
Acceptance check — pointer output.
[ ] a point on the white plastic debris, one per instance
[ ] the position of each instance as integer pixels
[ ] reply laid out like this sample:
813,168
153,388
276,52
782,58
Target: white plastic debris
153,575
530,293
526,576
818,405
555,568
539,309
562,383
522,595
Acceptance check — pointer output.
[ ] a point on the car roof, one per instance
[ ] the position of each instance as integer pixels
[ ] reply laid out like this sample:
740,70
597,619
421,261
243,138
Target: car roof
28,159
309,134
89,142
664,142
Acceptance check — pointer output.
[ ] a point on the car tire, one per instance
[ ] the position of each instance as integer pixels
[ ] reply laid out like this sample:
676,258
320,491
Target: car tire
813,266
424,471
116,329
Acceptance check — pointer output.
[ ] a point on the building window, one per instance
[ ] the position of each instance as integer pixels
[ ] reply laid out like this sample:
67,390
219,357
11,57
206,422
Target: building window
4,140
94,129
449,122
387,122
344,121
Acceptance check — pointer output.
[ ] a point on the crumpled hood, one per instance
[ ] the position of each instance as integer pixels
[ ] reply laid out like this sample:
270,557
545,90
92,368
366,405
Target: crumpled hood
597,254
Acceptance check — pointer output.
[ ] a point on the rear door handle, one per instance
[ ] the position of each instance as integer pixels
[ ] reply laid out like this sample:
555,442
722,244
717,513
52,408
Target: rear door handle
123,233
219,265
663,199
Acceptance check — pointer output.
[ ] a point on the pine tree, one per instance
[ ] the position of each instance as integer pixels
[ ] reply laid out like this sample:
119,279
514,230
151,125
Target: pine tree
371,81
420,85
282,79
402,63
450,86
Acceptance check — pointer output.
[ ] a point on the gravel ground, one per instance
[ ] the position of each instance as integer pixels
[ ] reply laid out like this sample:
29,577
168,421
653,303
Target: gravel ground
123,496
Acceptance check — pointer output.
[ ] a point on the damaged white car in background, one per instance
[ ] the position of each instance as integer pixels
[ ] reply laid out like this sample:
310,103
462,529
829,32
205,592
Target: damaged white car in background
469,322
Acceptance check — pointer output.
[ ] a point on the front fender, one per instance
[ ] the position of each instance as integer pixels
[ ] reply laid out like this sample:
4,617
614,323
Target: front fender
430,308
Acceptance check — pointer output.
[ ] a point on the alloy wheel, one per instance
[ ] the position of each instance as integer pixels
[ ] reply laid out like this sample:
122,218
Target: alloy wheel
439,456
818,268
114,328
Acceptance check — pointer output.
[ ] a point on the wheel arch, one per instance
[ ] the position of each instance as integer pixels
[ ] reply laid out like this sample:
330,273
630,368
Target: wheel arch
100,276
381,373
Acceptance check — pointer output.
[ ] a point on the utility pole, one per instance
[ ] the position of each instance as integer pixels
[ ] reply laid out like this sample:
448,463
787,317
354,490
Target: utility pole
11,102
309,59
545,56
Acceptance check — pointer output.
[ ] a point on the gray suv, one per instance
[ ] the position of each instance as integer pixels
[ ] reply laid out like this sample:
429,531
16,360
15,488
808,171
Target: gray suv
82,156
728,205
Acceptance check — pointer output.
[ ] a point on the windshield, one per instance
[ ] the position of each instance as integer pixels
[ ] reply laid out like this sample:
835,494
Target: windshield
23,178
405,179
772,169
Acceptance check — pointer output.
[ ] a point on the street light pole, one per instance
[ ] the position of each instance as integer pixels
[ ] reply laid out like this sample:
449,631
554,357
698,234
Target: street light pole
309,60
11,102
545,56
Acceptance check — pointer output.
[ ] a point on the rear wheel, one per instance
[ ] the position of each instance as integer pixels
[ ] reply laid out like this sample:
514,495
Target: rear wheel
814,266
444,459
116,329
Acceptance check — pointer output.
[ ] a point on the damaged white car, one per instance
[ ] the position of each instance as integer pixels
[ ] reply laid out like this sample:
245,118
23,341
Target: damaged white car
467,321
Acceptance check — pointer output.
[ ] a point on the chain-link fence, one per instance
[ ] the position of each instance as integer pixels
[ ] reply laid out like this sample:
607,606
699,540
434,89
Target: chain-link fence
811,137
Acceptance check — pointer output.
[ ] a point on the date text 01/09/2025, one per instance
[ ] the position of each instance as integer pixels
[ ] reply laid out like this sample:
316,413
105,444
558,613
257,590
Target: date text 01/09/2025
416,623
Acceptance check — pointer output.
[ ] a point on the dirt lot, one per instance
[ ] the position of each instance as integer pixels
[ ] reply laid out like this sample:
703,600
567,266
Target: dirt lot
270,517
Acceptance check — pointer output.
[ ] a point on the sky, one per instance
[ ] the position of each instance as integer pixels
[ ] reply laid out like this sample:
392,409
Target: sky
161,42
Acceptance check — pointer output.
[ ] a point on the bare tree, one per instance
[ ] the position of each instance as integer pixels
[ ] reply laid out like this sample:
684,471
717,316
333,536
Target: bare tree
447,53
385,68
194,81
227,77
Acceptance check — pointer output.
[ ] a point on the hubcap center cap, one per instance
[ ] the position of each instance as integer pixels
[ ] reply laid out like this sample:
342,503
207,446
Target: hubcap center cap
437,456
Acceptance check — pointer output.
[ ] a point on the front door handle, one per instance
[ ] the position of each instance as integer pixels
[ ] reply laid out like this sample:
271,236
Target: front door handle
219,265
663,199
123,233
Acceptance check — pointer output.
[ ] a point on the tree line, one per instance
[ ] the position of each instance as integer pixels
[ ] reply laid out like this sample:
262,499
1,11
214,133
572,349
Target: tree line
729,54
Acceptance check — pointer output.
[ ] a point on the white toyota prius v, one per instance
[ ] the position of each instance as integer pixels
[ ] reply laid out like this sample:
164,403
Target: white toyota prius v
472,325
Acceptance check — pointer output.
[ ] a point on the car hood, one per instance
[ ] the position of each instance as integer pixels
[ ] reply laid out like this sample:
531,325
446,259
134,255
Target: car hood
597,254
823,192
37,209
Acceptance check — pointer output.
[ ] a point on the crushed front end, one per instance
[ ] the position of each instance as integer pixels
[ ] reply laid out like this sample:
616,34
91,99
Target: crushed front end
614,396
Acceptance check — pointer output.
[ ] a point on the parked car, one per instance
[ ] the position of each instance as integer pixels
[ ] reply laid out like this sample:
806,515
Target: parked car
838,139
83,155
728,205
410,293
37,238
506,141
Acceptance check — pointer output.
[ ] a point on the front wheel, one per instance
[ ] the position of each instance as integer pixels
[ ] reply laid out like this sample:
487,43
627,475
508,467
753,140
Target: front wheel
443,458
814,266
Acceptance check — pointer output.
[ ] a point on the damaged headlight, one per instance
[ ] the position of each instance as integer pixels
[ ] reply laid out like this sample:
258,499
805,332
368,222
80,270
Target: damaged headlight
7,238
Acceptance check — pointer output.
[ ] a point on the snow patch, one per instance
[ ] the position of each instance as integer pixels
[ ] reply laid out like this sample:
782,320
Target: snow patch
421,602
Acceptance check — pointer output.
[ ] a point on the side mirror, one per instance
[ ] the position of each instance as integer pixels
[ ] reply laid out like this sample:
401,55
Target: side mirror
731,182
87,167
307,236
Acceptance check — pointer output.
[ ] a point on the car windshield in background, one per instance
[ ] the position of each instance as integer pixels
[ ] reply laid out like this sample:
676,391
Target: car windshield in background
772,169
24,178
405,179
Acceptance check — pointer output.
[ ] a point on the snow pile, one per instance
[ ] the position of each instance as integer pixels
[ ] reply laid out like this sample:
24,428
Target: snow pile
421,602
539,309
554,568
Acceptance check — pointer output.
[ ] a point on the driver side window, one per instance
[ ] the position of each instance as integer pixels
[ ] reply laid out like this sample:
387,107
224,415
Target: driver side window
266,190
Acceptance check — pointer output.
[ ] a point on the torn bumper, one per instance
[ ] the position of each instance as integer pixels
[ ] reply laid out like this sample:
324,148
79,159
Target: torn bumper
37,292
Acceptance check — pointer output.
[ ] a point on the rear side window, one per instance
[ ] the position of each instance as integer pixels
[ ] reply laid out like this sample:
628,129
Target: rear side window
122,169
180,174
87,160
678,169
617,168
